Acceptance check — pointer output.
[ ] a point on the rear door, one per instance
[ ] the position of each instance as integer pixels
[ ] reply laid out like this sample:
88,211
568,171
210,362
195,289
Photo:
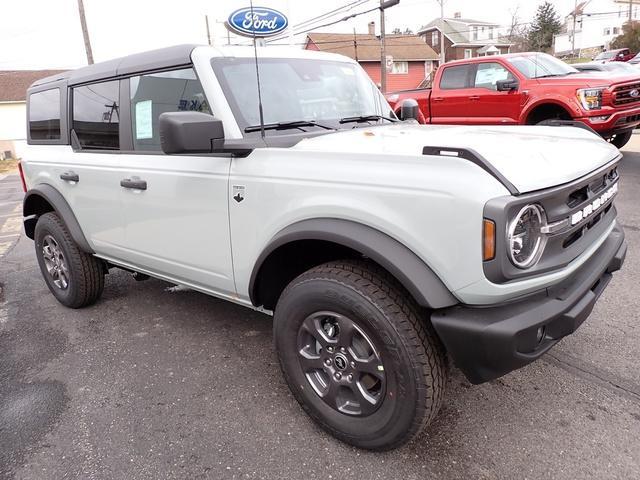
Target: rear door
175,206
450,98
488,106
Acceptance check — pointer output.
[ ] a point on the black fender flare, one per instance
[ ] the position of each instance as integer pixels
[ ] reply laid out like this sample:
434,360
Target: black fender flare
31,213
413,273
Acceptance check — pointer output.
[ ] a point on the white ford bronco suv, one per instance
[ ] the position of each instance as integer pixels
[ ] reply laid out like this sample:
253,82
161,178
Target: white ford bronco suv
381,247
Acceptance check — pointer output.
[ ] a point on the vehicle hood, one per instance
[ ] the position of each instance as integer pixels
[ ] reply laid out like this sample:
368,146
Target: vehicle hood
590,79
530,157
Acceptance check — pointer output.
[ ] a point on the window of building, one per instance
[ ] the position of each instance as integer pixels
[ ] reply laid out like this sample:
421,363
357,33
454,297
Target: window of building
455,77
488,74
607,31
435,38
400,67
156,93
44,115
468,53
616,30
96,115
491,33
475,33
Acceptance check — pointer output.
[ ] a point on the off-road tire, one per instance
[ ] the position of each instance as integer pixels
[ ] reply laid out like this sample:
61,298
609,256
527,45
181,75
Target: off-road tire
85,272
413,357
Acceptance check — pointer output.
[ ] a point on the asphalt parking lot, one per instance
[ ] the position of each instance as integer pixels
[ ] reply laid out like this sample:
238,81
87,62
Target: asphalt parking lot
154,384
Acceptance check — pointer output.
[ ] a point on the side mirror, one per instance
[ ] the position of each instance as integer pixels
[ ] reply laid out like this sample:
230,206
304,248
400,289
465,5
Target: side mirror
409,110
190,132
506,85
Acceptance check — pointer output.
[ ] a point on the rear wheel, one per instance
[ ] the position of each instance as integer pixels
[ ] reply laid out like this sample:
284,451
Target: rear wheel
357,356
621,139
74,277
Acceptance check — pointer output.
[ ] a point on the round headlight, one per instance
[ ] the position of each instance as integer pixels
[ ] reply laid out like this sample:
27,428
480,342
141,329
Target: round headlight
525,241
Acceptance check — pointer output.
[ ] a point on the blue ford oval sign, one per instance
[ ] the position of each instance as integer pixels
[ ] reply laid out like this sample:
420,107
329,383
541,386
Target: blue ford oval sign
259,21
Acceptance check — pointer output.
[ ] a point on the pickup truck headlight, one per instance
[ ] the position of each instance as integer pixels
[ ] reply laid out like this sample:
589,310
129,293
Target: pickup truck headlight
525,239
590,98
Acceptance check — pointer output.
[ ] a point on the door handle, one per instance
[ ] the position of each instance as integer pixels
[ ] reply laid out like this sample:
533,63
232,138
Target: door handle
134,183
70,177
437,99
474,97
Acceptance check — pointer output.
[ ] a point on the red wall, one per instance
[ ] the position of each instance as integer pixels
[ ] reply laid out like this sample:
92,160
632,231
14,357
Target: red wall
396,81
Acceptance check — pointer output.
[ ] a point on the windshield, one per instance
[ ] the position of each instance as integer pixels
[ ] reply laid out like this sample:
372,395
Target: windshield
295,90
540,65
606,55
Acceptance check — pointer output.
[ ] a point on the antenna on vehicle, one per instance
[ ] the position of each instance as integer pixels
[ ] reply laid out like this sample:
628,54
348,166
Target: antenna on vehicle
255,55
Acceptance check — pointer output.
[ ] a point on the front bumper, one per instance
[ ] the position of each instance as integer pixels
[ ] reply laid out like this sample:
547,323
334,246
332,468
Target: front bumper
618,121
488,342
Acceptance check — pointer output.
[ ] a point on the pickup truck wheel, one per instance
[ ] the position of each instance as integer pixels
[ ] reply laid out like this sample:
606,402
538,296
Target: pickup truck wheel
74,277
621,139
357,356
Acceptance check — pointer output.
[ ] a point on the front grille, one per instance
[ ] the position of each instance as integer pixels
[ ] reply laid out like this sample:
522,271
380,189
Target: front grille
628,119
583,196
622,94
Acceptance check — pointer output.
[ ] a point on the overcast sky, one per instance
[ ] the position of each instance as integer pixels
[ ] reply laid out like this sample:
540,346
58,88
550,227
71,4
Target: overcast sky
46,33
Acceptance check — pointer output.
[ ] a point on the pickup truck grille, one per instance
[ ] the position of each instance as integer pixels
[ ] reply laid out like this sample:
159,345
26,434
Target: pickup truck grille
622,94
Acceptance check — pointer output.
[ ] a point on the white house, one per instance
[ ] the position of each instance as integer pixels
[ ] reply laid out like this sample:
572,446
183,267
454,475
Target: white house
13,107
597,23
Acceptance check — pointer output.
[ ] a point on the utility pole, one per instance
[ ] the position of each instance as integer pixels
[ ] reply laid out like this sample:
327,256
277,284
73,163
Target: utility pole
442,47
573,32
384,4
206,20
355,43
630,10
85,33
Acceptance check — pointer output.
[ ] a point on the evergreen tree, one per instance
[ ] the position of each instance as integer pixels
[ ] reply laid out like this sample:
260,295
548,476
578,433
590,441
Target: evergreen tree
544,26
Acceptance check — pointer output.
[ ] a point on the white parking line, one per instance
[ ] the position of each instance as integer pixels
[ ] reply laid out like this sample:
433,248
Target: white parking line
11,225
9,235
4,246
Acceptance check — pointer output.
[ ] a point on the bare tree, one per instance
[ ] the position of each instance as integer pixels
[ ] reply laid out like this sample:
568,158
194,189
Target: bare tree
518,31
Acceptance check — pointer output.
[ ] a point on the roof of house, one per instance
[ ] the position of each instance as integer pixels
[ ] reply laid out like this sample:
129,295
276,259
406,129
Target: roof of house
14,83
459,32
400,47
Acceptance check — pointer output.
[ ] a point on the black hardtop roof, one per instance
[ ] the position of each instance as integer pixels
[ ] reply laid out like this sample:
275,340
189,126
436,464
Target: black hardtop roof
138,62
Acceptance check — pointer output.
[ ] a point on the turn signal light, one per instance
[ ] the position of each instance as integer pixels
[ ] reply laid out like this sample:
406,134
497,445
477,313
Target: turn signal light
488,240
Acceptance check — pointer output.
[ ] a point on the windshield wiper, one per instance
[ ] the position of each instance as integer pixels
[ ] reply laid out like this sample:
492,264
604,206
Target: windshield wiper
551,75
287,126
366,118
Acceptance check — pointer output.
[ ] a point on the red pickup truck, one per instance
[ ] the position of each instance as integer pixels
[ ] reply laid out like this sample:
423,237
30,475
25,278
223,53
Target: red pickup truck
527,89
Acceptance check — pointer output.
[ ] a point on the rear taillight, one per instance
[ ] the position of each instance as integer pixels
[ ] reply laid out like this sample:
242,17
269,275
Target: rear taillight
24,184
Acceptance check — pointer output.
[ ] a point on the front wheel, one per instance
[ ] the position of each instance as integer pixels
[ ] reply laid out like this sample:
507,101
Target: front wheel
621,139
357,356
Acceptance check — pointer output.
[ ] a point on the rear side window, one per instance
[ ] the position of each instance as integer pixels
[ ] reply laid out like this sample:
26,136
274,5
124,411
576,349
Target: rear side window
96,115
156,93
455,77
44,115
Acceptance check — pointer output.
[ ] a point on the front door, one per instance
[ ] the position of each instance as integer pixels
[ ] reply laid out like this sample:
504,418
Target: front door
488,106
175,206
